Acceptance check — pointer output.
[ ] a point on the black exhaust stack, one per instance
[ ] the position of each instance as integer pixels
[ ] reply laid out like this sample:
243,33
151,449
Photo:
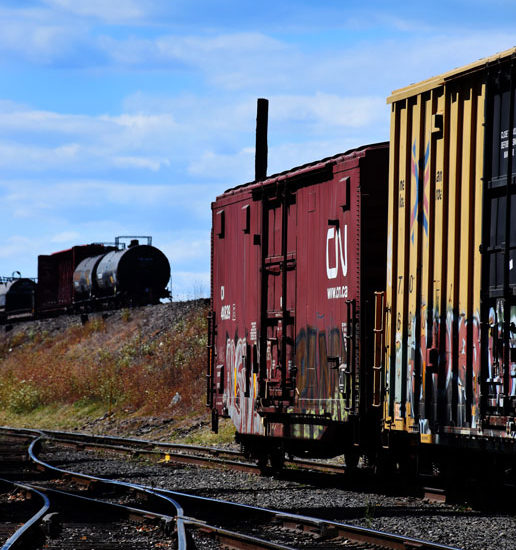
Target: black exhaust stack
261,152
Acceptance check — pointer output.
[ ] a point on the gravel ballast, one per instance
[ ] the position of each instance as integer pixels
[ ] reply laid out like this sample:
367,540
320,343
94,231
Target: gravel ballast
458,526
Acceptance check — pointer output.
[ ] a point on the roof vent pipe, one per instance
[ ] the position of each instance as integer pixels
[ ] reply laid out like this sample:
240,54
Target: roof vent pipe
262,118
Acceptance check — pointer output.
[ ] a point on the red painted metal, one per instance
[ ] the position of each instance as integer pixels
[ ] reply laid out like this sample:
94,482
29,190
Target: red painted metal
55,276
295,263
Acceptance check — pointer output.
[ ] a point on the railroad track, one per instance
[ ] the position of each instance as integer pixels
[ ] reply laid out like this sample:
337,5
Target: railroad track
168,452
189,517
21,505
82,522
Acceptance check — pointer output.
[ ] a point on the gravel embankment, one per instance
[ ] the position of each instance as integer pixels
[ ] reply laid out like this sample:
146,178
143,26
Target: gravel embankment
457,526
152,319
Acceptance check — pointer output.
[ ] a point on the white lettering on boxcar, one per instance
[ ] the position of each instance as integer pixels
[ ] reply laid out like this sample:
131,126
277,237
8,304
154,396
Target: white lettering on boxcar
225,313
337,292
337,261
341,255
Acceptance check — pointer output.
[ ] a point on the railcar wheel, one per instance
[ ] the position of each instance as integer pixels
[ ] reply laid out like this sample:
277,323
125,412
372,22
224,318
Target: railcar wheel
352,457
384,466
277,461
261,462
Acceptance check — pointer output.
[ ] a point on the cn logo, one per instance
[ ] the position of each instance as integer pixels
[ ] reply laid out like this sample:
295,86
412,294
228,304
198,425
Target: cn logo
336,253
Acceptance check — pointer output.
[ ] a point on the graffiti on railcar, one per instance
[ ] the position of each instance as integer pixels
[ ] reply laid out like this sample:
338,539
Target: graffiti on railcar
512,354
501,364
240,387
461,388
461,376
411,374
317,382
475,405
494,362
462,380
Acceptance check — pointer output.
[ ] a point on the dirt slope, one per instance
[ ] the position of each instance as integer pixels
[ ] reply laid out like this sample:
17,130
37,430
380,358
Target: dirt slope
138,372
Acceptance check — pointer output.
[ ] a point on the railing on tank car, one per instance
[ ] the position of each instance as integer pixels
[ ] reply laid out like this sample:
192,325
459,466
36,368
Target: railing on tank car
16,275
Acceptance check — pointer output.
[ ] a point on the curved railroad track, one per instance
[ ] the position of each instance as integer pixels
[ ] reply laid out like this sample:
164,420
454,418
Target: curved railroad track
168,452
189,517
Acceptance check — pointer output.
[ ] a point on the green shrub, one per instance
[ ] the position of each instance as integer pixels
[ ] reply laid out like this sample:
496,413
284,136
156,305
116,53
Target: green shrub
23,398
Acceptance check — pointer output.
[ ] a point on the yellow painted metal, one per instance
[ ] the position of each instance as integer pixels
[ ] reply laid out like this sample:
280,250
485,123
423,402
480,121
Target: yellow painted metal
435,291
452,260
433,257
427,438
478,172
411,280
425,287
400,277
453,75
390,294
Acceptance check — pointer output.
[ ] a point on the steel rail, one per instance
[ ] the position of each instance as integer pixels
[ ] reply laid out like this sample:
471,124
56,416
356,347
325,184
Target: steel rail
304,523
232,539
166,456
26,533
115,441
238,540
225,536
180,528
123,510
167,450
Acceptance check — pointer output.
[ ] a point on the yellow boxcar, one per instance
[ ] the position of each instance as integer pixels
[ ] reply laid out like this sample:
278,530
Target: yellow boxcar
450,336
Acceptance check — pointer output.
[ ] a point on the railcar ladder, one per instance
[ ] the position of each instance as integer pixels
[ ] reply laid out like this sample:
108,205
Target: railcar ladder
379,347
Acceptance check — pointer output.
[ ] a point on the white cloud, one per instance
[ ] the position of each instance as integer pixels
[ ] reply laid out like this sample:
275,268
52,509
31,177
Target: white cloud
37,158
190,246
256,61
34,198
34,140
19,252
15,117
135,127
66,237
11,246
153,164
328,110
192,285
113,12
37,43
207,140
231,168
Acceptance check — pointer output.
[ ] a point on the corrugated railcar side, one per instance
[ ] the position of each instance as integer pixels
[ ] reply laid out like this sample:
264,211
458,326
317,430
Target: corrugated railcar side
450,366
295,262
55,277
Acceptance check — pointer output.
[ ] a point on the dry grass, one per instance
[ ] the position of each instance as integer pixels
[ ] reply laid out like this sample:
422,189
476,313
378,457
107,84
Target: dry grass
102,367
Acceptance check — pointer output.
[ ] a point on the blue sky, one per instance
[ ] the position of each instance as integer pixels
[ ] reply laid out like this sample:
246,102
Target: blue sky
129,117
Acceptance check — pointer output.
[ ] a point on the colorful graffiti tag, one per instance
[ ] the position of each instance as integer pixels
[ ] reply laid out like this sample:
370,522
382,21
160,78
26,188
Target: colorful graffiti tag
240,389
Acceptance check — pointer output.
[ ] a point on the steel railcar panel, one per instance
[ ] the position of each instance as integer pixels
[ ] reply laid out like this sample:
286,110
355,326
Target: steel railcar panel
451,348
55,277
292,298
17,299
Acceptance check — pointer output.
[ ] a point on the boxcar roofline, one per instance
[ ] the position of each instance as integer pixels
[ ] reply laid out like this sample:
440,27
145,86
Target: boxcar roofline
436,81
309,169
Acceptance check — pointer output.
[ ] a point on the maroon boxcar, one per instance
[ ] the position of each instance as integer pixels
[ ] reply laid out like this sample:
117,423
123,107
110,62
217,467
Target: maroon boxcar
295,263
55,277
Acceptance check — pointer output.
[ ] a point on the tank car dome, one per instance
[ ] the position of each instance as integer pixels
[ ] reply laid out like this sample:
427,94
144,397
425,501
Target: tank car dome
137,269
